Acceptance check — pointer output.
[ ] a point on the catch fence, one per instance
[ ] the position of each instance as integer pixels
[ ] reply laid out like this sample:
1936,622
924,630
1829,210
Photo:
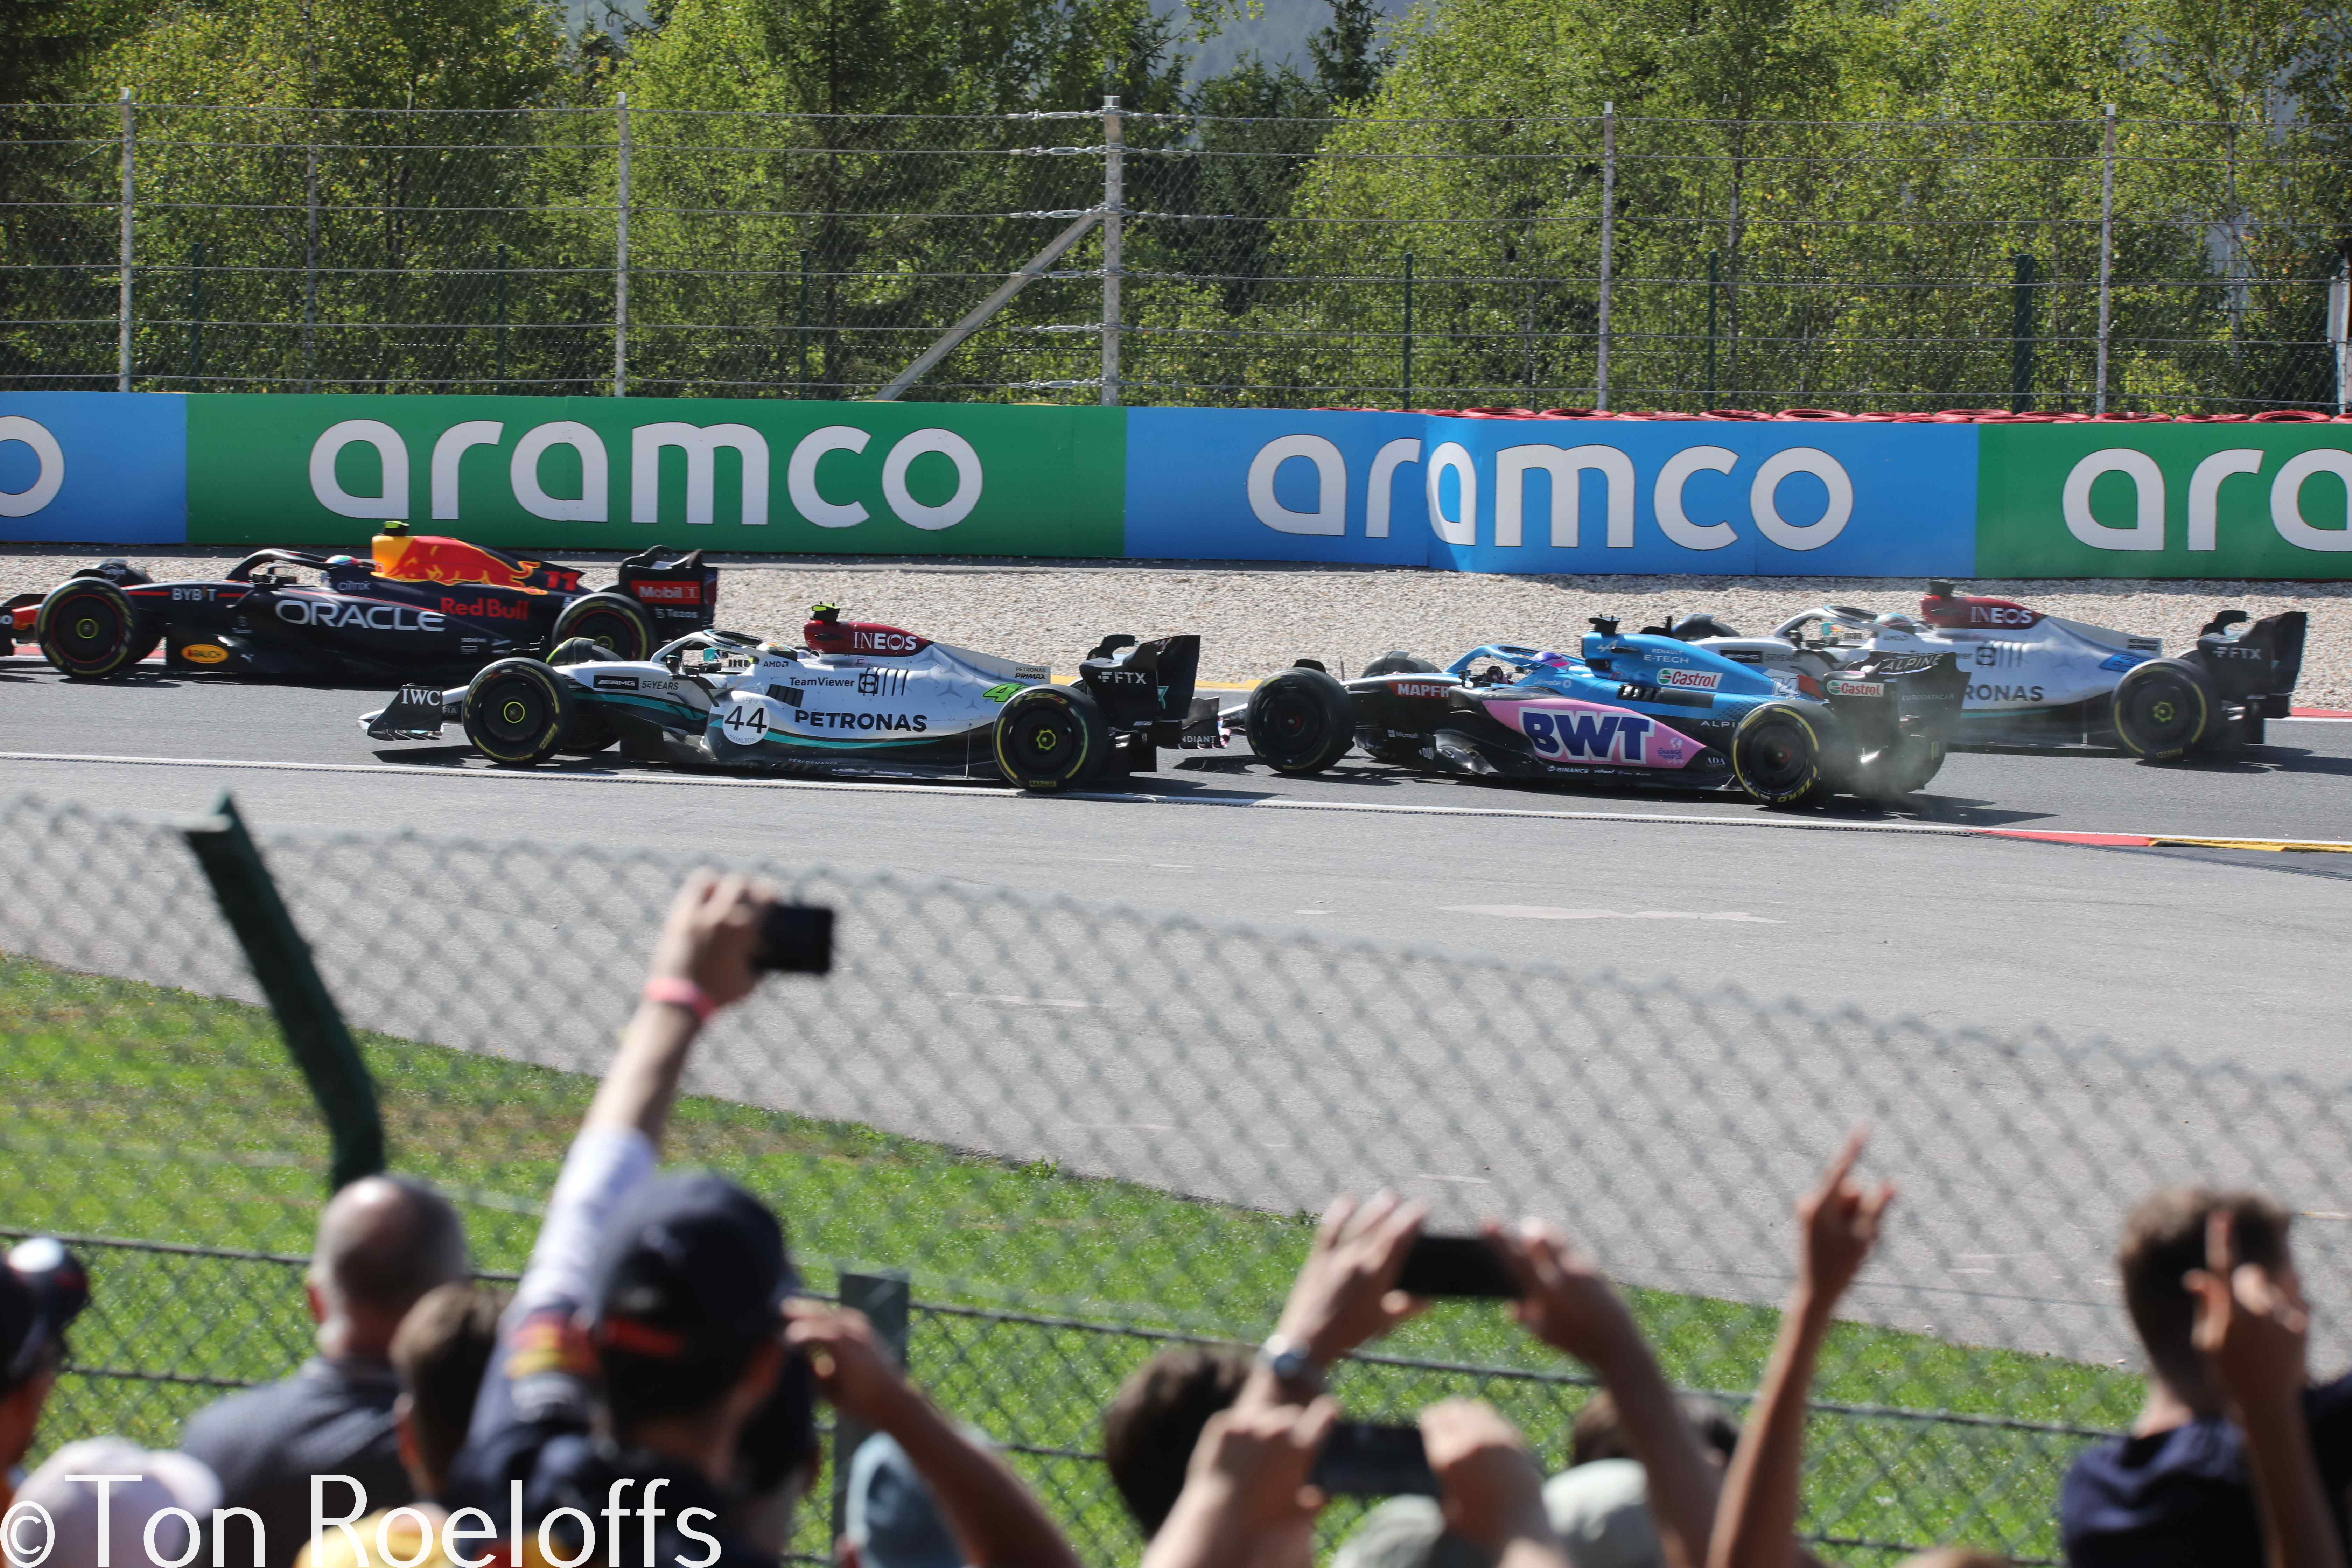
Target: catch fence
1611,261
1081,1132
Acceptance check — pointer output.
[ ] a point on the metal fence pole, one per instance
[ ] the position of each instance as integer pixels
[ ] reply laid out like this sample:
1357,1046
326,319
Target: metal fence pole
800,329
313,1027
122,309
621,252
501,277
1113,236
2020,337
196,312
884,1299
1608,234
1408,329
311,269
1713,261
2107,257
2339,326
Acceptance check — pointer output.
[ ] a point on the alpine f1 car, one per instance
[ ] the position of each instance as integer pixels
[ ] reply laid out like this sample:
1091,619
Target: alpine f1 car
420,607
1643,708
855,697
2036,680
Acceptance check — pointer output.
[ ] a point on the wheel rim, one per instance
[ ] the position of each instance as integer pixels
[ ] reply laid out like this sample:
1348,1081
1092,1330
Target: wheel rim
1776,758
94,634
1291,724
606,630
2161,715
514,713
1044,741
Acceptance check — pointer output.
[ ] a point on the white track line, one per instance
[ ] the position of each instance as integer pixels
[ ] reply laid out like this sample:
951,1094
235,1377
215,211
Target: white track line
705,781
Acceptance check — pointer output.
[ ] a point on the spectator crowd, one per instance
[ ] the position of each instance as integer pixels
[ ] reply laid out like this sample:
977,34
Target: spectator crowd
650,1394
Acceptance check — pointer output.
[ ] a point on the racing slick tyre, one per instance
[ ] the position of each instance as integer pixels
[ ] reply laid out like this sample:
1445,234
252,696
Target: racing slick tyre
2164,708
517,712
1301,721
609,620
580,650
1900,769
1776,756
1050,738
1400,664
90,630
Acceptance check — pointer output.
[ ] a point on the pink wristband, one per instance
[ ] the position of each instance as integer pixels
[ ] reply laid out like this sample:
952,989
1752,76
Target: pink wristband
679,992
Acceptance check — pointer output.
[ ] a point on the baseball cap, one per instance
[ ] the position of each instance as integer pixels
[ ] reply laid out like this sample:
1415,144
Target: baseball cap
890,1516
692,1274
163,1480
42,1287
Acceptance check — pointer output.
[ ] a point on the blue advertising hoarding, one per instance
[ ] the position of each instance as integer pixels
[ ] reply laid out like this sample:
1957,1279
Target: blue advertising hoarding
93,467
1564,496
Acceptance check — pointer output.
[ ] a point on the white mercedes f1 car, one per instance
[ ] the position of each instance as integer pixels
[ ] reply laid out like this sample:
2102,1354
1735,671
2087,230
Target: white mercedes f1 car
855,698
2043,680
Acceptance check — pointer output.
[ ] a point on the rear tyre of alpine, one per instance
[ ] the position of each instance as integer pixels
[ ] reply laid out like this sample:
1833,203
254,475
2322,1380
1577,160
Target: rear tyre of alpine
1899,770
1400,664
1301,721
1051,738
591,731
1776,756
2163,708
517,712
613,621
90,630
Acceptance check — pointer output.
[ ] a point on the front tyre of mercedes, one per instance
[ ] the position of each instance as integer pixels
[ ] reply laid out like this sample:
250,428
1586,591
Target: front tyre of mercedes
1301,721
1051,738
90,630
518,712
613,621
1776,756
2163,708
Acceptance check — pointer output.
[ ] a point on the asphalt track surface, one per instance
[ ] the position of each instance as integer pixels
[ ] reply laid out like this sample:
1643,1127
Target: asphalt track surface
2223,955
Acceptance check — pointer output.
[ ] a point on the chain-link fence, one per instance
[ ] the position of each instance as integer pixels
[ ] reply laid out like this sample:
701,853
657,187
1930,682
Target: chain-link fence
2111,265
1084,1132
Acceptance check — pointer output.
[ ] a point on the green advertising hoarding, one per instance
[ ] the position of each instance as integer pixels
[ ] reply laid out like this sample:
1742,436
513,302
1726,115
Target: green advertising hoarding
588,473
2165,500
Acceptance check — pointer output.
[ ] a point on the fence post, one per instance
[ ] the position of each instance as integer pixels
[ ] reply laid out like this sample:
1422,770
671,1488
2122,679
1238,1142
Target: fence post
501,278
621,252
2020,337
196,314
307,1018
2107,257
1713,260
311,268
1114,248
1608,233
884,1299
799,329
122,309
2339,326
1408,330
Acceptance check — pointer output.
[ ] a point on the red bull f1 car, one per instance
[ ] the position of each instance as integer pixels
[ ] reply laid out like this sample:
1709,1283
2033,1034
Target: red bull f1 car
1641,709
855,697
417,607
2041,681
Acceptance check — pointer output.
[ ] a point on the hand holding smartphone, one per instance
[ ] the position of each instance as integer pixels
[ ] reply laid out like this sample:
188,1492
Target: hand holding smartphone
1460,1266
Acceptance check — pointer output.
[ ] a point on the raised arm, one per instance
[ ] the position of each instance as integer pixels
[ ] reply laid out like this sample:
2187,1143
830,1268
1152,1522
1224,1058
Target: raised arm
1756,1520
2253,1332
995,1519
1488,1485
1344,1296
1247,1499
701,962
1565,1303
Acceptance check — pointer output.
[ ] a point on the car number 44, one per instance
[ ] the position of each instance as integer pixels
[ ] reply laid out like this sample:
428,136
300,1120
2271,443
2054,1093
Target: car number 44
745,724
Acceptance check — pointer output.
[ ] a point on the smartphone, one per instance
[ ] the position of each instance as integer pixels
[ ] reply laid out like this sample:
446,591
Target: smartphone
1457,1266
1362,1459
794,939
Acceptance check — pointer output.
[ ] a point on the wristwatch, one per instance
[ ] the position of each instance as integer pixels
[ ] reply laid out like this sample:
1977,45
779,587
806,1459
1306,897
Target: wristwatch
1291,1365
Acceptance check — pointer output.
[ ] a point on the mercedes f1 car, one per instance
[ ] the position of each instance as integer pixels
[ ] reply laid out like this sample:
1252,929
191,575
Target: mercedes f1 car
419,607
1642,708
2036,680
855,697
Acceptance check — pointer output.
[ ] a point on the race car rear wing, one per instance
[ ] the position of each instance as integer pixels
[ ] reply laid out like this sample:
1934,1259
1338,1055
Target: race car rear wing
1145,687
679,592
2256,662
